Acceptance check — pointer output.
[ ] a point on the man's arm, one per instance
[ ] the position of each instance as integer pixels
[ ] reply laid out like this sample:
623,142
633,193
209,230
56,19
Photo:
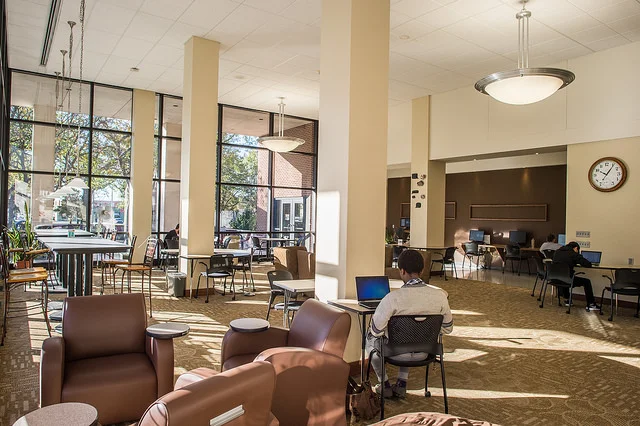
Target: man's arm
447,320
380,318
580,260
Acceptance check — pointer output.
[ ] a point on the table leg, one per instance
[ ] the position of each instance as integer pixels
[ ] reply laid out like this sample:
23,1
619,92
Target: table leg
78,280
364,338
285,311
88,274
70,274
191,281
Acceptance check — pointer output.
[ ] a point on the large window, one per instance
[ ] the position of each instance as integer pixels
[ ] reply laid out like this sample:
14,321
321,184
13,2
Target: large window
166,173
260,191
52,138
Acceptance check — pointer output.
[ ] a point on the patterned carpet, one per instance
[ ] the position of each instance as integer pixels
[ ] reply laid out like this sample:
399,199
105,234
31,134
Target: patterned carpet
507,361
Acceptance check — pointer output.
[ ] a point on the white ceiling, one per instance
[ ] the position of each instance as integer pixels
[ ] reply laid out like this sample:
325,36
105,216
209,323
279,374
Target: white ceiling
271,48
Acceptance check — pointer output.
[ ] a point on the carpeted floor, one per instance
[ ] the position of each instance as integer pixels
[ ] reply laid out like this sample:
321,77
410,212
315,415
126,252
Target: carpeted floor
507,361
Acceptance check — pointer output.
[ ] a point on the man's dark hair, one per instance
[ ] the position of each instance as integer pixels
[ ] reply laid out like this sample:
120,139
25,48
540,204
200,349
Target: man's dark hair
550,238
411,261
177,226
573,245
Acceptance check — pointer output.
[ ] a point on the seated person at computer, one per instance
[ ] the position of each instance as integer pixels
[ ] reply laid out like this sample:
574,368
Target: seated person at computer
550,244
570,255
415,297
174,234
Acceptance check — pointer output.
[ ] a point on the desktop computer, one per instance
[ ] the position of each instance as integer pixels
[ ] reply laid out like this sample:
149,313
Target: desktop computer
476,235
518,237
562,239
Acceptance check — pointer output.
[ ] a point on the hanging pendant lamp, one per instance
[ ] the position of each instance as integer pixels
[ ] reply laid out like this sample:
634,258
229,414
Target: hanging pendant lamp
524,85
280,143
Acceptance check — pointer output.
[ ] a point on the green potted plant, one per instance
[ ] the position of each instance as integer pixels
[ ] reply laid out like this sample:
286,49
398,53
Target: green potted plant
22,242
388,236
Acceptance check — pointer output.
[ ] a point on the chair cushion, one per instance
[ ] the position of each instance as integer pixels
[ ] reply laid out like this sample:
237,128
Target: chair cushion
237,360
121,387
430,419
306,265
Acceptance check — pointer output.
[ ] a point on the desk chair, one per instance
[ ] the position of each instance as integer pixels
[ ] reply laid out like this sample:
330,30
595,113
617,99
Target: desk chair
627,283
559,275
470,251
541,272
548,253
446,259
220,266
513,253
412,333
280,275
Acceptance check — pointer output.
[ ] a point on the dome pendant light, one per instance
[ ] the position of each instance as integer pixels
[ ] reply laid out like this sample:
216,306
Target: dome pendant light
280,143
524,85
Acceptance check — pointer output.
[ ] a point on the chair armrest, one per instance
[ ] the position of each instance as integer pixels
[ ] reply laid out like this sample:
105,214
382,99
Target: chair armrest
578,273
193,376
250,386
160,352
235,343
609,278
37,252
310,386
437,254
51,371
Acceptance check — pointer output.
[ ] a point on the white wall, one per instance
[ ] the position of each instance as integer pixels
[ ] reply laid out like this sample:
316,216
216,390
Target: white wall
399,134
601,104
504,163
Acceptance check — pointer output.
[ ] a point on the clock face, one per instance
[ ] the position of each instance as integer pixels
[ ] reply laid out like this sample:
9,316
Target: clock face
607,174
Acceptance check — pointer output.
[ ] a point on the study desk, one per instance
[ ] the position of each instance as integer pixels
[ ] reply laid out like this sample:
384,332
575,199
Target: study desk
292,287
71,252
78,233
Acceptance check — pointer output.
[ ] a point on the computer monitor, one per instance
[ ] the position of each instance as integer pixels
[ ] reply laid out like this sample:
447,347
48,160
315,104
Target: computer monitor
476,235
405,222
592,256
372,288
518,237
562,239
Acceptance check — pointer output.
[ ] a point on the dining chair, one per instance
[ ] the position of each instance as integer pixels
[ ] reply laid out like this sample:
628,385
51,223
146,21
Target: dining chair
142,268
109,266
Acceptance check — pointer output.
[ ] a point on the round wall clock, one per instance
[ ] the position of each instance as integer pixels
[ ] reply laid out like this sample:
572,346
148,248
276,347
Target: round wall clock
607,174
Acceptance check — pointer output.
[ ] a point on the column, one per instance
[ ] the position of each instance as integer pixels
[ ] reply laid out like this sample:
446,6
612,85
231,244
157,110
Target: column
44,145
140,195
427,208
352,151
198,157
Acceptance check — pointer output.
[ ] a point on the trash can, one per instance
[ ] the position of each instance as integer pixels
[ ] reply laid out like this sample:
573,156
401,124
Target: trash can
176,283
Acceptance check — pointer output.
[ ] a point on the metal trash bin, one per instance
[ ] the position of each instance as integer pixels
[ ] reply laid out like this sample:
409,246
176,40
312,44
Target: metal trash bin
176,283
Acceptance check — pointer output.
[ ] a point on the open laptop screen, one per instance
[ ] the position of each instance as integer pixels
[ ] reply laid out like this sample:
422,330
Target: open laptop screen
592,256
372,288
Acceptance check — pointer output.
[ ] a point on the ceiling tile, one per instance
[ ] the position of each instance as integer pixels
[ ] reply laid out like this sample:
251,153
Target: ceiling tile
109,18
120,66
442,17
633,35
608,43
305,11
243,52
100,41
179,64
577,24
593,34
172,75
437,39
137,82
397,18
132,48
553,12
148,27
275,29
129,4
306,42
163,55
108,78
150,71
297,64
206,14
242,21
270,58
225,85
226,67
169,9
403,91
589,5
627,24
179,33
415,8
413,29
273,6
473,7
616,11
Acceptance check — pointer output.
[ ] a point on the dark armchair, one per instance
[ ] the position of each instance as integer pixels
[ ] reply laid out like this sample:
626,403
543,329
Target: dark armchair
105,359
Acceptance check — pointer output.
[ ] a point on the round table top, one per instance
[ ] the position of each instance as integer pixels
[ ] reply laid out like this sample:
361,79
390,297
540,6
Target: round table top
168,330
249,325
67,413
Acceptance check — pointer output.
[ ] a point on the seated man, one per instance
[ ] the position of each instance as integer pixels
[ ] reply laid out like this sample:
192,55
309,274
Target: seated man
415,297
174,234
570,255
550,244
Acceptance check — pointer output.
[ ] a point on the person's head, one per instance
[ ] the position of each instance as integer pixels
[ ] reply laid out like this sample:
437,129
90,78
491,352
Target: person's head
574,246
551,238
411,264
177,228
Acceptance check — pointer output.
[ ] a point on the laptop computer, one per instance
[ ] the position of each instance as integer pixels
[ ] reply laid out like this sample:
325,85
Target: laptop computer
592,256
371,290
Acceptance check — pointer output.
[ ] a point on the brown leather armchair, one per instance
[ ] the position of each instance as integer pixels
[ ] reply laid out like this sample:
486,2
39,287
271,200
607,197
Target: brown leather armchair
311,376
195,403
105,359
296,260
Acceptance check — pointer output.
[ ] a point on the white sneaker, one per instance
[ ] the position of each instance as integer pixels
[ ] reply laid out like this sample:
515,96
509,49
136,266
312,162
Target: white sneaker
593,307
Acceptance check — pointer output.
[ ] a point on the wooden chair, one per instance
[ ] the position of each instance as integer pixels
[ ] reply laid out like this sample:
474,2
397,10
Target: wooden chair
109,266
14,279
141,268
